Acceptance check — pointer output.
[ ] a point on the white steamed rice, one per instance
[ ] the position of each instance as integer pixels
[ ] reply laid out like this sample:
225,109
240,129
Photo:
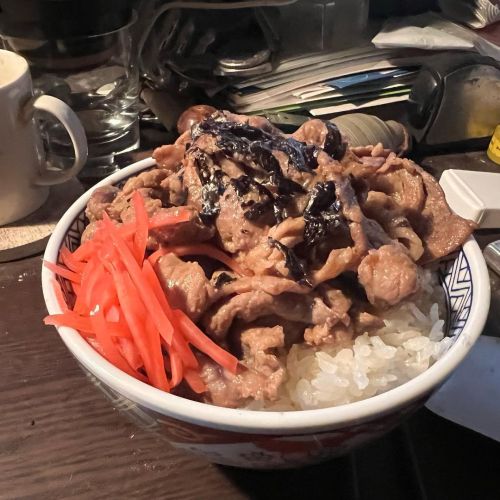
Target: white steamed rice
332,375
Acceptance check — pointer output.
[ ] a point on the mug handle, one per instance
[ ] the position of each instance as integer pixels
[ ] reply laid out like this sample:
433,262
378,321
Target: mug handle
62,112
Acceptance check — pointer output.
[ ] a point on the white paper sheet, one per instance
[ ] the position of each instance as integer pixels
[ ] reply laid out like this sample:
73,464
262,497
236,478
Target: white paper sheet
471,397
431,31
343,108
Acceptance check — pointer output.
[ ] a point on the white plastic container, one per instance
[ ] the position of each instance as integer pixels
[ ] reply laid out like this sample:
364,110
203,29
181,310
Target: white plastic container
473,195
317,25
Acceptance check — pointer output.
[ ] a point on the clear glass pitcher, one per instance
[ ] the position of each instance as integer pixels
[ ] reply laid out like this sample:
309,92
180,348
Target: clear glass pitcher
97,76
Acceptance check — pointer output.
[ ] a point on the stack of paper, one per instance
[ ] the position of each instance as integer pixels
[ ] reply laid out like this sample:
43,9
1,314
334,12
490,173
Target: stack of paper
332,82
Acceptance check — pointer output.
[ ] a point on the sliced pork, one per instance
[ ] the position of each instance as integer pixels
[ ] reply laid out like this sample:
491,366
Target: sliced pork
305,240
100,200
185,285
442,230
388,275
309,309
169,157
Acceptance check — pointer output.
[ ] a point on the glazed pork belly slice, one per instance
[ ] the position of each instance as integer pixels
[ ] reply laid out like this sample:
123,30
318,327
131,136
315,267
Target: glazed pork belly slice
118,205
185,233
189,232
114,201
236,232
268,256
364,233
166,186
99,202
193,115
371,156
263,374
365,322
339,333
387,273
403,183
169,157
170,189
253,121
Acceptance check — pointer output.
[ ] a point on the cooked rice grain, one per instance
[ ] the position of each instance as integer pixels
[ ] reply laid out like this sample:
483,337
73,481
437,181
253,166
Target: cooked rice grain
411,341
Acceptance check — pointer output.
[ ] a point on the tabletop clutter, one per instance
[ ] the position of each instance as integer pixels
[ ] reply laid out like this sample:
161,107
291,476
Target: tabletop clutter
289,61
286,59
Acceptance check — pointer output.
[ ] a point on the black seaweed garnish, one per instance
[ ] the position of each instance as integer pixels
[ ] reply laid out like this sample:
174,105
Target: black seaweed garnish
268,203
280,208
245,143
258,210
262,153
223,279
322,198
295,151
287,187
334,145
311,153
292,262
213,185
246,204
243,139
322,213
242,185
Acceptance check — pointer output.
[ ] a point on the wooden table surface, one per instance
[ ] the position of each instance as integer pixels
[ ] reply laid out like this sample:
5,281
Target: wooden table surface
59,437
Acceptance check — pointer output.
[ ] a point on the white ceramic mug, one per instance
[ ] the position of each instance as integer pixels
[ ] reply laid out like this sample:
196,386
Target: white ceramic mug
24,174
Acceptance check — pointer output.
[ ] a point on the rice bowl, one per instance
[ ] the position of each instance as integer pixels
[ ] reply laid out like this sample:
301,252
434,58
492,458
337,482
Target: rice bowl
263,299
231,436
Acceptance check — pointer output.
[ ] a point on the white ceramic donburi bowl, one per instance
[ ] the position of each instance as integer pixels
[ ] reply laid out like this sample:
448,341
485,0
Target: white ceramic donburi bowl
273,439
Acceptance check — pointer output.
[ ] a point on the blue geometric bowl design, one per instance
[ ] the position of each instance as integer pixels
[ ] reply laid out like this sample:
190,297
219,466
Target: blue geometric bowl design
456,280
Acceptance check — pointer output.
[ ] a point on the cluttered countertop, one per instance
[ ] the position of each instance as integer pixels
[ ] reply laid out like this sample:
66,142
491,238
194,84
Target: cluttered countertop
61,439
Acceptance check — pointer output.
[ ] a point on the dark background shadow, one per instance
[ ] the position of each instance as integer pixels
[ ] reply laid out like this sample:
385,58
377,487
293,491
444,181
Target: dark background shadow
427,458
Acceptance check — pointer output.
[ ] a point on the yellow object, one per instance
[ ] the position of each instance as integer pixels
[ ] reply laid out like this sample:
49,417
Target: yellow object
494,147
